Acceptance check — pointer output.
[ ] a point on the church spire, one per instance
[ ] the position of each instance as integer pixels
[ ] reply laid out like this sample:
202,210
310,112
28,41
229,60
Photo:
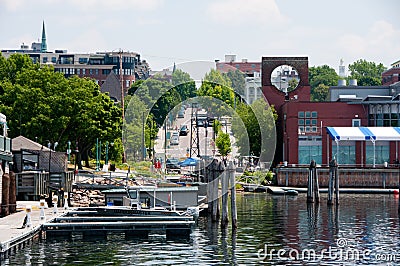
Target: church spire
43,47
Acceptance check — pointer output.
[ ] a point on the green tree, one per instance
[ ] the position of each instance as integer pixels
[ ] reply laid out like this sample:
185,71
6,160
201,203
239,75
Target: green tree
44,105
366,73
237,79
135,86
216,86
321,75
258,128
320,93
133,128
184,84
292,84
223,144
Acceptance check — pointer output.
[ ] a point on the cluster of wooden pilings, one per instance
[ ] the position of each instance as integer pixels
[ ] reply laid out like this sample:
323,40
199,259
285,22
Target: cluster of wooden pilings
8,196
217,172
313,186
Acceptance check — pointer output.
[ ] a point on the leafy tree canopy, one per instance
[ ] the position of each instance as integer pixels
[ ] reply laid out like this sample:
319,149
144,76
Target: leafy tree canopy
223,144
321,75
42,104
184,84
237,79
366,73
258,135
216,86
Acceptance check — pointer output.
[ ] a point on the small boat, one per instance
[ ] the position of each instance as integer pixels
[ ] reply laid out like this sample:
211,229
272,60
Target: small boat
254,188
291,192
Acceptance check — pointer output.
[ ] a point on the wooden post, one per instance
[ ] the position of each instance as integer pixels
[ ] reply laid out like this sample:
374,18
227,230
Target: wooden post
232,181
5,195
224,186
217,169
316,185
332,178
336,183
310,184
12,193
210,176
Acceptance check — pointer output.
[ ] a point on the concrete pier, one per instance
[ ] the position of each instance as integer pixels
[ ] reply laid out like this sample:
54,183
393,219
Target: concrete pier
13,236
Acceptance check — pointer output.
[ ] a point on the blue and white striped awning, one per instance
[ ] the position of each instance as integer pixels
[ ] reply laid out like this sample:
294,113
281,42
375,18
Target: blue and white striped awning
364,133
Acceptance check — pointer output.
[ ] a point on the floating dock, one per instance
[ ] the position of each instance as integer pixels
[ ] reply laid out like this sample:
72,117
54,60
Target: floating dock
99,221
282,190
91,222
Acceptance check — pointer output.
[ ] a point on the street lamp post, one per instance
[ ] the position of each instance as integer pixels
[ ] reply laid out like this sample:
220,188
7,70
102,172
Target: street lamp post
106,161
69,151
76,158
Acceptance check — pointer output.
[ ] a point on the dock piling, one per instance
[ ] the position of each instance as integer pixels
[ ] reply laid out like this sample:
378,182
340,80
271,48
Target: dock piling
224,186
42,216
333,182
55,201
312,183
232,181
316,185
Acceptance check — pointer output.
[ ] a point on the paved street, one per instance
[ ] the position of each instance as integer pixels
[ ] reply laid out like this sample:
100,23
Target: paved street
180,151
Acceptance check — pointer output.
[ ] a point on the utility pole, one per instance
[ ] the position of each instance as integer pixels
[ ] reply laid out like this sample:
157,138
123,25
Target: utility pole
122,99
143,136
194,133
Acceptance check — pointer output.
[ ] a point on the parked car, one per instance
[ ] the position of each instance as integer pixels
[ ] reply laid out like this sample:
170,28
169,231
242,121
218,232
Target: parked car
184,130
173,166
174,140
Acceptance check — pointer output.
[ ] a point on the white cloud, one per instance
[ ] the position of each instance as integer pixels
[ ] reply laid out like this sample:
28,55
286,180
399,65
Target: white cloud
143,21
249,12
117,4
14,5
381,39
11,5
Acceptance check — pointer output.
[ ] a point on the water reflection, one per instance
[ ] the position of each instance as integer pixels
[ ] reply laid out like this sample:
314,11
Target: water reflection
265,222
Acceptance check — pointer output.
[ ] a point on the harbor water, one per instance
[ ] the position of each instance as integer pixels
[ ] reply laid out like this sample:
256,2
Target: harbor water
272,230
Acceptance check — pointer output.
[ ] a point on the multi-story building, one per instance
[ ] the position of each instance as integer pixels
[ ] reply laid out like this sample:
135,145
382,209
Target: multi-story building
302,133
391,75
230,64
252,89
116,67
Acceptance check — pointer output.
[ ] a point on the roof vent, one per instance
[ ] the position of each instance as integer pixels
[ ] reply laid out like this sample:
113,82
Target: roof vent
353,82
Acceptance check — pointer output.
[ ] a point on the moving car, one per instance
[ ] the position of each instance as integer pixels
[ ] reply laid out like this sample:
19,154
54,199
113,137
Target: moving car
173,166
174,140
184,130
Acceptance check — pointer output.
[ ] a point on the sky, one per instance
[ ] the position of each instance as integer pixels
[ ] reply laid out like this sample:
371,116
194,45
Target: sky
168,31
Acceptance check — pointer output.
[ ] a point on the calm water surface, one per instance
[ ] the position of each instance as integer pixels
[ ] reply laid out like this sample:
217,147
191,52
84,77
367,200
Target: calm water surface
273,230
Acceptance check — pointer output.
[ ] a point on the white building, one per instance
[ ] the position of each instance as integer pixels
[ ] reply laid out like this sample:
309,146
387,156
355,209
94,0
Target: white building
252,89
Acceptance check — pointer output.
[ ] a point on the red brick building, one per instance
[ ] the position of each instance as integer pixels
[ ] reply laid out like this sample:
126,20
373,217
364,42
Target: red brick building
301,124
391,75
244,66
